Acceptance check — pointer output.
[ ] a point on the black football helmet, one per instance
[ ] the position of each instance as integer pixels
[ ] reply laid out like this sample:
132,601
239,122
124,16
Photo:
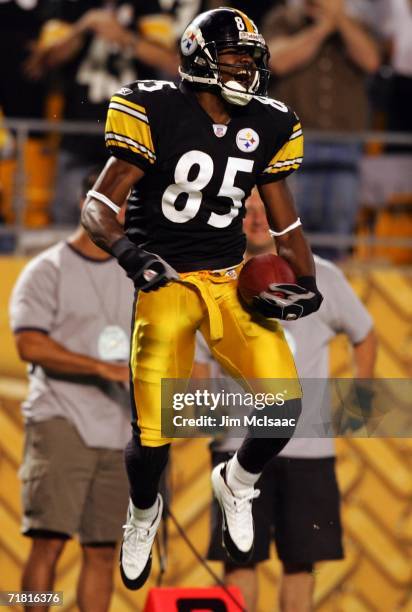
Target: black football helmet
231,30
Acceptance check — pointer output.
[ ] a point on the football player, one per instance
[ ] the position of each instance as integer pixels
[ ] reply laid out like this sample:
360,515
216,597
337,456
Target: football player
190,156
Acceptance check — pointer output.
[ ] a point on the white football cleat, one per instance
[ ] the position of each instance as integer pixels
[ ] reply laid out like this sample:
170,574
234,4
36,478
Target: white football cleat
238,529
136,549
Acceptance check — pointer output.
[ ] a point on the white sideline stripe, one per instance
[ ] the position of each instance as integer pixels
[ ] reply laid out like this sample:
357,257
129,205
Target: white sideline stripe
288,162
128,110
296,134
130,141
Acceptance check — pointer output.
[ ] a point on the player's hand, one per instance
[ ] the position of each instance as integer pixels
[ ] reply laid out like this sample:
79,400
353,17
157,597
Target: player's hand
113,371
289,302
102,22
355,409
147,270
318,11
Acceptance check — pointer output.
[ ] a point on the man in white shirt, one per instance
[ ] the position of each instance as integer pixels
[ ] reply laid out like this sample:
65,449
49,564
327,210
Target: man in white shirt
70,313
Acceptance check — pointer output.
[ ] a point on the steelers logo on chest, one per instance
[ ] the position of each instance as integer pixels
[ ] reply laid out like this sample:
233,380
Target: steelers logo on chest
247,140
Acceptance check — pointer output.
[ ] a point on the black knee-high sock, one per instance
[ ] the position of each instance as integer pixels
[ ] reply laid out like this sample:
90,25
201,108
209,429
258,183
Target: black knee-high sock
144,465
255,452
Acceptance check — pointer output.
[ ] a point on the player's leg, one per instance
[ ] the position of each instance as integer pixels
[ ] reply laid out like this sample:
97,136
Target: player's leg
297,585
246,580
56,472
40,568
100,529
252,349
244,576
162,347
307,525
95,584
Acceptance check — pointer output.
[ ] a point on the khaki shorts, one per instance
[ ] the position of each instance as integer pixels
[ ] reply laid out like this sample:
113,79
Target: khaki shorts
70,488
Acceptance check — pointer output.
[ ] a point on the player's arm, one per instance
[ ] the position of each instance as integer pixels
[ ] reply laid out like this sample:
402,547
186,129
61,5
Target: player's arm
129,138
281,212
364,355
38,348
99,215
288,53
147,270
359,43
288,301
349,315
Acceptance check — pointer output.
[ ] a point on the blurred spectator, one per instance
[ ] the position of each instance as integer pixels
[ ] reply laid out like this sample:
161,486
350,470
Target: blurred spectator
102,45
255,10
394,21
184,11
321,53
76,336
20,24
20,98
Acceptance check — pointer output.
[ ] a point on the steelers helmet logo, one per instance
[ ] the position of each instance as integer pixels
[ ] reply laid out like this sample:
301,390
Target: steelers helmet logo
247,140
189,42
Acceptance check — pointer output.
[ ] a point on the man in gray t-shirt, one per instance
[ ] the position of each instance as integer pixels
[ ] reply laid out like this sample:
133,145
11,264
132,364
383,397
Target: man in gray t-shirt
70,312
299,494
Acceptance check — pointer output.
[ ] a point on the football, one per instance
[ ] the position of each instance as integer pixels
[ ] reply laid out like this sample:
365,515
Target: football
260,272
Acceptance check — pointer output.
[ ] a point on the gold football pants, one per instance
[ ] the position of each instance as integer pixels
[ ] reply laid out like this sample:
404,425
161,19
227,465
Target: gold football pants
163,343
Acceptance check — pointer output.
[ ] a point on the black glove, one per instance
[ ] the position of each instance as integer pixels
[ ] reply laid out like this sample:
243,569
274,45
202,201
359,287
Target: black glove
147,270
289,302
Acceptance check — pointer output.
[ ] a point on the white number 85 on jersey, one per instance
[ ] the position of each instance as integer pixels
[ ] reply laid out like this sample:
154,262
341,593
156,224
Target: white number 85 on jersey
193,188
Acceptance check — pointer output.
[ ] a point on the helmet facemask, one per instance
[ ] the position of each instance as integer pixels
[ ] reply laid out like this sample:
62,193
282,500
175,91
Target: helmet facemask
248,78
208,72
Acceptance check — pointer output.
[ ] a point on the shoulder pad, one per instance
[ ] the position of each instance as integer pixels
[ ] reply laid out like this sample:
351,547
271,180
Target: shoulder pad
273,104
138,89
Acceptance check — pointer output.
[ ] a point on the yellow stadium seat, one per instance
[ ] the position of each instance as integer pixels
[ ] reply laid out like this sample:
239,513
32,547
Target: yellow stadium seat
395,221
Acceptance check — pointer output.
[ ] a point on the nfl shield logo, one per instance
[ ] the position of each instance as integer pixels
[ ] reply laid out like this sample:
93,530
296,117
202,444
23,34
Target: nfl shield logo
219,129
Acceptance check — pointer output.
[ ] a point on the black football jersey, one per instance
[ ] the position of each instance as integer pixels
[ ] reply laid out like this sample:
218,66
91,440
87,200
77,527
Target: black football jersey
189,206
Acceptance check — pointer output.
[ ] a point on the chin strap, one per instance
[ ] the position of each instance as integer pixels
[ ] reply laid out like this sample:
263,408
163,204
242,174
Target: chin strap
103,199
289,228
232,91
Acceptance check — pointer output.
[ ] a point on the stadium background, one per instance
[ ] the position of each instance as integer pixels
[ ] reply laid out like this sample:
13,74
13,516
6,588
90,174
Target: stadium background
375,475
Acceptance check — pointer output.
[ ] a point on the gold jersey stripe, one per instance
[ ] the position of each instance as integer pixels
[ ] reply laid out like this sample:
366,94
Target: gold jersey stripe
248,23
131,127
291,150
273,170
123,145
128,103
297,127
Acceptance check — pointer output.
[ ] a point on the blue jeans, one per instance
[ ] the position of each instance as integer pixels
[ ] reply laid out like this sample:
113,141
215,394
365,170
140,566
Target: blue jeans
326,191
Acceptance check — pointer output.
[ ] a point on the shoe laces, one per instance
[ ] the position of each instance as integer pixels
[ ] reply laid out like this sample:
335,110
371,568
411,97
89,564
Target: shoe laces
132,530
239,507
240,503
136,531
